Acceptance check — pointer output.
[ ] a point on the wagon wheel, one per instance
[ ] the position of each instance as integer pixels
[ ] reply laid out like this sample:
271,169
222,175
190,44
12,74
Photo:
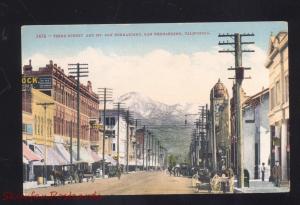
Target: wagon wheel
70,179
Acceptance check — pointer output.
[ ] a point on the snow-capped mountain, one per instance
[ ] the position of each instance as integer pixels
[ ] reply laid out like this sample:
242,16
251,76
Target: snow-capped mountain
157,115
145,107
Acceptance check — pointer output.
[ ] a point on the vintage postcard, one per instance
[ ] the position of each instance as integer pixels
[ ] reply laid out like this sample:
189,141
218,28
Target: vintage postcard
166,108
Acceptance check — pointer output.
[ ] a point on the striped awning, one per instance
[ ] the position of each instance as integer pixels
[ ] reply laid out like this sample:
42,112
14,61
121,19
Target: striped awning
53,158
84,154
94,155
29,155
59,147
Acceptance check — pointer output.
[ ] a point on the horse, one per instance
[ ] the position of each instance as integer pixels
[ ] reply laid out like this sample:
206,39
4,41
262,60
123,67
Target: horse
170,170
58,177
177,171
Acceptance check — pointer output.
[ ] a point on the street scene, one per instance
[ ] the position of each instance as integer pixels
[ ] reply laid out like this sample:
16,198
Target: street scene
141,109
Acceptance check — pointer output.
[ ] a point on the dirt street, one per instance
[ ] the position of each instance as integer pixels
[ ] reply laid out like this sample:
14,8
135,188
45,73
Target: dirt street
140,183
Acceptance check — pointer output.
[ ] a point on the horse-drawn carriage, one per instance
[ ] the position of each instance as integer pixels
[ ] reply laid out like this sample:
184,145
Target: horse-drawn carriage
74,172
85,171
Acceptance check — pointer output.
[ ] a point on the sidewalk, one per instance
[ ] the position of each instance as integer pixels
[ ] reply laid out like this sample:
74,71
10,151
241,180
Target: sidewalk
34,184
258,186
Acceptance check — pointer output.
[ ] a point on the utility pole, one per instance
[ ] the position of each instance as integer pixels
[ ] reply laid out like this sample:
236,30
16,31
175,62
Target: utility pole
239,77
118,104
152,150
105,95
206,136
45,106
77,73
143,147
127,139
148,150
158,154
155,153
136,125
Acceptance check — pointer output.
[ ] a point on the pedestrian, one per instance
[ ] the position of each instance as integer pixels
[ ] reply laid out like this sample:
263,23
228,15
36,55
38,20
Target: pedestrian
276,173
119,172
263,169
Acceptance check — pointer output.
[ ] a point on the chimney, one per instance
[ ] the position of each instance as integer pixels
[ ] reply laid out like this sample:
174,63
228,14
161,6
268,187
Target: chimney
51,62
27,68
89,86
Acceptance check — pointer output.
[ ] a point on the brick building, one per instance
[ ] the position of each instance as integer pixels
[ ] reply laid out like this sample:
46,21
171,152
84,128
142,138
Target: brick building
54,82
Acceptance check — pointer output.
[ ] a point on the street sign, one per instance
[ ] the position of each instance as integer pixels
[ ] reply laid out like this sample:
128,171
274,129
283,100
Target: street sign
41,82
97,126
44,82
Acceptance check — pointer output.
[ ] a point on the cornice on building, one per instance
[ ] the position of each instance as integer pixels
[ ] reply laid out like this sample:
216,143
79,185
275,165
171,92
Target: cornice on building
277,46
58,74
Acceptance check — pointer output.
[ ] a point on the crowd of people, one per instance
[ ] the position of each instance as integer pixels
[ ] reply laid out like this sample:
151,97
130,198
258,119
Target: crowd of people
222,180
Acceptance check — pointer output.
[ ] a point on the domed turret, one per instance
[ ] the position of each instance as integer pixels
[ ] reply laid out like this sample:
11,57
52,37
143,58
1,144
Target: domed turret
219,90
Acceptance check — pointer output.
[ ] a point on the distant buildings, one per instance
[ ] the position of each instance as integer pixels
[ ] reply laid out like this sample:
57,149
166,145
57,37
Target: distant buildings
277,64
111,135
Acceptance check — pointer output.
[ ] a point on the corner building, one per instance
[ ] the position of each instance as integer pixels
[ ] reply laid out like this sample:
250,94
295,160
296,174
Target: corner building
62,89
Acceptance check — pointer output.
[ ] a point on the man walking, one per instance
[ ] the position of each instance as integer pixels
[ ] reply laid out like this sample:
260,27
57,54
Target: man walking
276,173
119,172
263,169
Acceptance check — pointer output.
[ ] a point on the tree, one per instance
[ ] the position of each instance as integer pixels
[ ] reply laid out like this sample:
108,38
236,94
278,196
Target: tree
172,160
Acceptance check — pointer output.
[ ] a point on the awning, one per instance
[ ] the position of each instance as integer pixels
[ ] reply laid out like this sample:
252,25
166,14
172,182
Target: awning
30,155
53,158
94,155
63,152
110,159
25,161
84,154
138,162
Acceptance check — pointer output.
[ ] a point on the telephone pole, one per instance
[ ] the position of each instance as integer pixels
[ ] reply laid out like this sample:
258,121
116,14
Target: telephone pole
118,104
143,147
45,106
77,72
136,142
128,120
239,77
105,95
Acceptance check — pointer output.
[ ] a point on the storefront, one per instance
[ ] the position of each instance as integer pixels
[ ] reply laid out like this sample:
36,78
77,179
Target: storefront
29,157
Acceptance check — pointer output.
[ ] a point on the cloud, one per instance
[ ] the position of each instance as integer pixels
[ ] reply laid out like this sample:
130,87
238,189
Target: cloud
162,75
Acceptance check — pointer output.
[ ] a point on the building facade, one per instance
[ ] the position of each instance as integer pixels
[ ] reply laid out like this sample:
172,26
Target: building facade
220,126
277,64
61,89
115,122
256,134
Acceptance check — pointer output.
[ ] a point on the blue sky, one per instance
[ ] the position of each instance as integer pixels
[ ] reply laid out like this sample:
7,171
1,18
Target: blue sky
170,69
